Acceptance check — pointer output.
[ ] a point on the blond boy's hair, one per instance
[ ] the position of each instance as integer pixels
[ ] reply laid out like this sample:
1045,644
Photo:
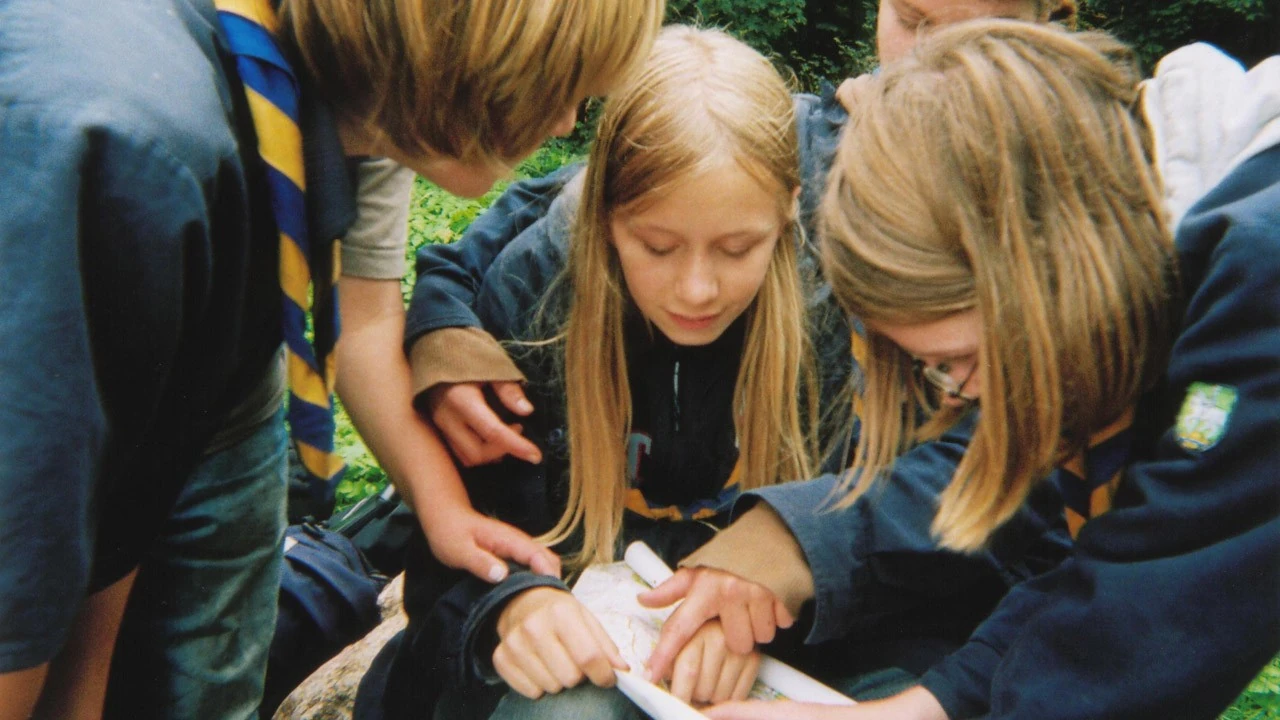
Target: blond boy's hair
477,80
703,100
1003,168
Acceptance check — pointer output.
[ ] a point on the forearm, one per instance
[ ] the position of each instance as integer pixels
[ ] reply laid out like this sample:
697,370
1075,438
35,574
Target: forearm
19,691
758,547
375,386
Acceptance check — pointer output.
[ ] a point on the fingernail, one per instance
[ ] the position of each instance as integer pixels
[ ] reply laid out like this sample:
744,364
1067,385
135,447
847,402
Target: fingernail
497,573
524,406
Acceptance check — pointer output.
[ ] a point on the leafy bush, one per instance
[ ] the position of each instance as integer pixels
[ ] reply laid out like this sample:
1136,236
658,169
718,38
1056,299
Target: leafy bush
835,39
1261,700
814,41
1247,29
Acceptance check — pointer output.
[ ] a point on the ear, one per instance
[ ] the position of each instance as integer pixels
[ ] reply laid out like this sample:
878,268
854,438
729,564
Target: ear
795,204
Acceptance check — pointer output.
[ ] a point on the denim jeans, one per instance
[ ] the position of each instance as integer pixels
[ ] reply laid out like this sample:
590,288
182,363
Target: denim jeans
584,702
199,622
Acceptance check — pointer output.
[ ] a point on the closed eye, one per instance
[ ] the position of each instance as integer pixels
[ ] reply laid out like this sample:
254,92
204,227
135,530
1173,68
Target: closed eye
658,251
742,248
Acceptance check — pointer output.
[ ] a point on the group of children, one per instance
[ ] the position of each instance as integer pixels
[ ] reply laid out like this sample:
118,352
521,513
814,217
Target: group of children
983,384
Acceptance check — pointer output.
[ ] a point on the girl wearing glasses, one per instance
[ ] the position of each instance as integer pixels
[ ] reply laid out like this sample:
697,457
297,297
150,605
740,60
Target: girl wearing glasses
994,208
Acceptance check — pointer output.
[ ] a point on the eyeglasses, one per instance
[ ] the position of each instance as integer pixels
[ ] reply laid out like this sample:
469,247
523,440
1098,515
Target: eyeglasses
939,377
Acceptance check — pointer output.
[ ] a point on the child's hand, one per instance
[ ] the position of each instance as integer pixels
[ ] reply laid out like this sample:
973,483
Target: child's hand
464,539
749,613
550,642
473,431
707,671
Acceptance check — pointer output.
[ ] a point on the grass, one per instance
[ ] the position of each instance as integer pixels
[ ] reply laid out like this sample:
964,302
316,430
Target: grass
437,217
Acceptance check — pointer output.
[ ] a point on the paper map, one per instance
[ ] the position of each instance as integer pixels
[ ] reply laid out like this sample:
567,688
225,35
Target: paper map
609,591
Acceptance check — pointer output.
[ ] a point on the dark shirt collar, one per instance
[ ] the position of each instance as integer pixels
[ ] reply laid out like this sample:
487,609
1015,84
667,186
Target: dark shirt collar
331,194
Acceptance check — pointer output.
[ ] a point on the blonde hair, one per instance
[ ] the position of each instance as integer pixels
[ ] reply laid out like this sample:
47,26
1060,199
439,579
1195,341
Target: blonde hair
702,100
470,79
1060,11
1003,168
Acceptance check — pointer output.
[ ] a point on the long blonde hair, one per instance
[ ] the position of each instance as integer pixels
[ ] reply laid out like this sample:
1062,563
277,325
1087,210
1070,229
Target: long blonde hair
702,99
1003,167
470,79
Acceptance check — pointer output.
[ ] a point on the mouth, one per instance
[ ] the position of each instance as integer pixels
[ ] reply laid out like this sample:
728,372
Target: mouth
687,322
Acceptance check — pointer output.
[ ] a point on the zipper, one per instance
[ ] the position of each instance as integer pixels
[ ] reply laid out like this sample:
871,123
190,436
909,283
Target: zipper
675,396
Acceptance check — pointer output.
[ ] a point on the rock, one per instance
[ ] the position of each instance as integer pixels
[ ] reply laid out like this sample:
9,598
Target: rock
330,692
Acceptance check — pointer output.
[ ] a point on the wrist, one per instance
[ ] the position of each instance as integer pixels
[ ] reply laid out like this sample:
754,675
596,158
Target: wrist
920,704
523,605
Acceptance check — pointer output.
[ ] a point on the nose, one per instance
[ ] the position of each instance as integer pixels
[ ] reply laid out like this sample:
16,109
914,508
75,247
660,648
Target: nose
565,124
698,285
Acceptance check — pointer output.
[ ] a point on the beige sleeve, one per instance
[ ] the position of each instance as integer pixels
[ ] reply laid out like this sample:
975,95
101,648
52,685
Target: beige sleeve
376,244
759,547
459,354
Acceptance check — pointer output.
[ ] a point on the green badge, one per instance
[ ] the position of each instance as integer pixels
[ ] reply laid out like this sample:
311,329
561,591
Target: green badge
1204,415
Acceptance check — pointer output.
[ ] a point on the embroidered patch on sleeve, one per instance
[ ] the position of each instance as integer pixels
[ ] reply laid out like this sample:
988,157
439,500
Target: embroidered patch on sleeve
1204,415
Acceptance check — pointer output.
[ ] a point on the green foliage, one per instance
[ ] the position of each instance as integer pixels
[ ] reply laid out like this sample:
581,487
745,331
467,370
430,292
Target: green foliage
1247,29
760,23
1261,699
814,41
363,476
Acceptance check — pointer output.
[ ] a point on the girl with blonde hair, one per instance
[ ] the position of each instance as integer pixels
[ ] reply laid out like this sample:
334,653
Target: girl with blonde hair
677,354
996,219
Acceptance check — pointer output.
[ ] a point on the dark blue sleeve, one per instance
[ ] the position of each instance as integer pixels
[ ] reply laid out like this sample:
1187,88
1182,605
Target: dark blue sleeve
449,276
819,122
510,296
462,626
871,558
71,193
1172,601
521,295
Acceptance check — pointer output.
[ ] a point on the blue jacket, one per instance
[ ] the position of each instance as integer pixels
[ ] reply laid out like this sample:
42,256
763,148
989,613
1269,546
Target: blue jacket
501,276
1171,602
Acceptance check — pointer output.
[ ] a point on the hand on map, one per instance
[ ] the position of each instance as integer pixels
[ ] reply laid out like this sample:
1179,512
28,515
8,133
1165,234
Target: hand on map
914,704
550,641
749,613
707,671
473,431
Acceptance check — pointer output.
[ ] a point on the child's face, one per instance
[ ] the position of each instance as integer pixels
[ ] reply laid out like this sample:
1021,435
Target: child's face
950,346
694,259
898,22
462,178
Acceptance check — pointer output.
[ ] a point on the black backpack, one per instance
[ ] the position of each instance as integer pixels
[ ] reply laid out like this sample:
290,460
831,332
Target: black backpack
328,600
